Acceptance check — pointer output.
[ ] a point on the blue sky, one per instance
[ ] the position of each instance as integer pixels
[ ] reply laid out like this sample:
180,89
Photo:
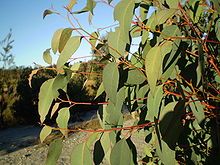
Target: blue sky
33,35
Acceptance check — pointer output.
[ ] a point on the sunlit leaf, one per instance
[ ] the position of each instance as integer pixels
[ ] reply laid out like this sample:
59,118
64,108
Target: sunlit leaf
46,130
70,48
154,102
54,152
71,4
135,77
100,90
106,145
47,57
93,39
92,138
33,72
153,62
160,17
90,5
45,99
116,43
56,40
65,36
81,155
111,80
166,155
62,120
148,150
60,82
172,3
75,67
54,109
123,13
121,153
163,15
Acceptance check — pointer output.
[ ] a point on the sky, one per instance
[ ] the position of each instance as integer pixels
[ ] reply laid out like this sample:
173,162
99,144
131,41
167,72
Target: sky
33,34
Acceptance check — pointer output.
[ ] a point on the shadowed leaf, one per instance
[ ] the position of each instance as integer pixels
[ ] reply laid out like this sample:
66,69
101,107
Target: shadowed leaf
47,12
54,152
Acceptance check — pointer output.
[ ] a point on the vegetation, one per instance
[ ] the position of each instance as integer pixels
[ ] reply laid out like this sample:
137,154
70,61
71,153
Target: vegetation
19,101
171,83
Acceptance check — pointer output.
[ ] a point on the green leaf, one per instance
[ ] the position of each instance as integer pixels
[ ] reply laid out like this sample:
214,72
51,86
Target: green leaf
123,13
116,43
153,62
163,15
75,67
137,62
217,29
54,109
90,5
47,57
93,39
172,3
144,8
46,130
62,120
135,77
71,4
45,99
114,111
147,151
111,80
81,155
121,153
92,138
47,12
70,48
56,40
111,116
99,91
60,82
166,155
160,17
136,31
106,145
217,78
54,152
154,103
197,109
65,36
143,91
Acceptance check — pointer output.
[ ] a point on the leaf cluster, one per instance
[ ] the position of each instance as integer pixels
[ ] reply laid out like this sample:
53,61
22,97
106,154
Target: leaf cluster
170,84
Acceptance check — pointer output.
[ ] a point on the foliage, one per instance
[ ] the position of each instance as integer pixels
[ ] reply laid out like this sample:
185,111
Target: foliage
19,101
6,56
171,82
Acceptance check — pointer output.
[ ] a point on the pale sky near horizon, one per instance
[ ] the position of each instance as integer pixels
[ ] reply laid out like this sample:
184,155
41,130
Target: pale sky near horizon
33,35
